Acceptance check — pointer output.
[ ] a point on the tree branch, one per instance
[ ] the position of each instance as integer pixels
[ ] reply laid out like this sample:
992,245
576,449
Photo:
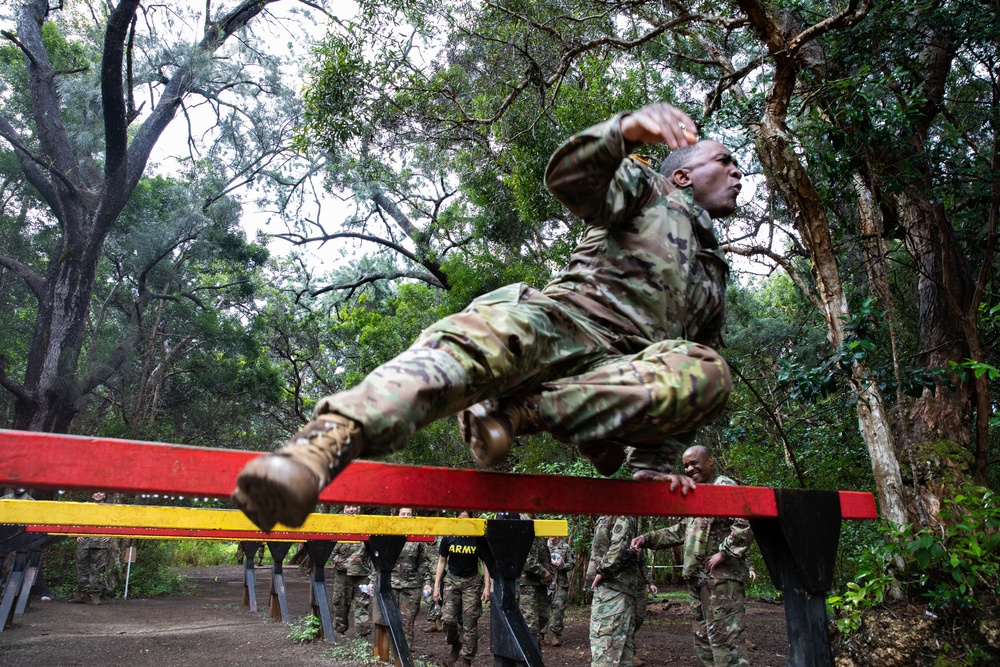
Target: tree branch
13,387
782,261
112,89
25,273
374,277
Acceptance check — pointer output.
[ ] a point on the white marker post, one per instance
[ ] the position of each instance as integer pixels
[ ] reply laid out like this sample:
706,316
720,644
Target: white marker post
129,558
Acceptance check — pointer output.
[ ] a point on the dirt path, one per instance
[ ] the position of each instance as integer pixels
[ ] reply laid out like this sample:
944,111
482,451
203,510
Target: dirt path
207,625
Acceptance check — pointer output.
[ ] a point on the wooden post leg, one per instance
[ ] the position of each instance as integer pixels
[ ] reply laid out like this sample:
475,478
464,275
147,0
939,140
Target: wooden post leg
505,549
249,577
320,552
800,549
11,590
384,550
277,602
30,573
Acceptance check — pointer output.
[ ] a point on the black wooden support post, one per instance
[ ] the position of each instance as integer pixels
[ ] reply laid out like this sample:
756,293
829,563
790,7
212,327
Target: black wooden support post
384,550
250,550
800,549
277,602
11,590
505,549
17,588
30,574
319,552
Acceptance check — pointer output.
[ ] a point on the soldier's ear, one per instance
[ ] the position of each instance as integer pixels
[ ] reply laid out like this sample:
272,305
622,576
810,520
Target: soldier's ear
681,177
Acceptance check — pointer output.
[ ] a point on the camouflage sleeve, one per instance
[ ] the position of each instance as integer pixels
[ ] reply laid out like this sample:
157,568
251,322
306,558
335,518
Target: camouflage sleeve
534,566
671,536
428,562
736,545
569,560
591,176
598,547
619,554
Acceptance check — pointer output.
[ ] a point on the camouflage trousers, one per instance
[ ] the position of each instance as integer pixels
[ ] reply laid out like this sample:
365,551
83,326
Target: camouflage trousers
557,610
534,603
461,607
97,566
612,628
347,594
408,600
717,615
640,618
519,341
433,610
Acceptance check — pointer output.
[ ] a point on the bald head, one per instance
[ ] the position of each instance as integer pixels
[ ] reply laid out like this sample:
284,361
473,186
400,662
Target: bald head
710,170
699,464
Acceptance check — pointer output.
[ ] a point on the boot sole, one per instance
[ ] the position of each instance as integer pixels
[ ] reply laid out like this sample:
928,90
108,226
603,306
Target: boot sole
489,442
271,490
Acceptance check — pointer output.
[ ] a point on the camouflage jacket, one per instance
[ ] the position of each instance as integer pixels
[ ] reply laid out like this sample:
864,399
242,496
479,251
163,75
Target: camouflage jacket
610,556
649,267
352,558
538,563
562,548
413,567
703,537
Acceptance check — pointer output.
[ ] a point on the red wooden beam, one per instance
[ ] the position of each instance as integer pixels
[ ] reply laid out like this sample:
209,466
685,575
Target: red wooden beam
243,535
52,461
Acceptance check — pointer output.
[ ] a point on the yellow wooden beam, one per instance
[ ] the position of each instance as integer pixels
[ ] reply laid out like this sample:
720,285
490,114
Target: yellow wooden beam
24,512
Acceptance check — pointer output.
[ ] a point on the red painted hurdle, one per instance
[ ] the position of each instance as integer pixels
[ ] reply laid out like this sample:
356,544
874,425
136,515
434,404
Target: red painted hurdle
797,530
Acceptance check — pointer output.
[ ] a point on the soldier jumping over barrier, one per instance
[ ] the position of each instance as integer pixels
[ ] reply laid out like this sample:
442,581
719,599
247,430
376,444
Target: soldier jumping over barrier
617,355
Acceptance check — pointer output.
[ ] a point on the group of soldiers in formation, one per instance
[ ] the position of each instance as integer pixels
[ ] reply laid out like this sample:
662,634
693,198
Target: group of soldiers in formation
449,579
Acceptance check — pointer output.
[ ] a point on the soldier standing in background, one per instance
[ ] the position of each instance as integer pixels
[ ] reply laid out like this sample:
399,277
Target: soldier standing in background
618,577
563,562
96,565
353,570
461,590
533,586
433,607
715,556
411,578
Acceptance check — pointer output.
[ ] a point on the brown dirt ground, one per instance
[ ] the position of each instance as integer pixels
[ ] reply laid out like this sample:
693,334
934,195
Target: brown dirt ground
206,624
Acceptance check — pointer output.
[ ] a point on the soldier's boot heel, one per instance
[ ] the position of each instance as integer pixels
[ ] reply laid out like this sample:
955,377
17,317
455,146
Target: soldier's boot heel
489,427
284,487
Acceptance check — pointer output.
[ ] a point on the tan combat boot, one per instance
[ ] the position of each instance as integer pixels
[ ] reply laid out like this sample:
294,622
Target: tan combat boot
490,427
284,487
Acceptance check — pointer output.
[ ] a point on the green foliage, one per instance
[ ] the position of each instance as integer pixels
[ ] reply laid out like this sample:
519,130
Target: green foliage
955,568
305,629
202,553
352,651
151,574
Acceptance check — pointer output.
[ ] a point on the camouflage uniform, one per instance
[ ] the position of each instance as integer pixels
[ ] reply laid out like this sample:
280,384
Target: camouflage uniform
433,608
411,574
533,590
612,611
353,569
97,566
561,593
461,604
717,599
619,345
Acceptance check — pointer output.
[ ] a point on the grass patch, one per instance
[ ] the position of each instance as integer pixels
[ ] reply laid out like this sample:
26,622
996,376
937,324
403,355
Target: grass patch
202,553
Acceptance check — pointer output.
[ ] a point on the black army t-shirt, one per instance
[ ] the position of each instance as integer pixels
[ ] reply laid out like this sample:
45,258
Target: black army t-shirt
462,555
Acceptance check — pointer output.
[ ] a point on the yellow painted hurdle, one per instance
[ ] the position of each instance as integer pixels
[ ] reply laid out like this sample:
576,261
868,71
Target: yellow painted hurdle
56,513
